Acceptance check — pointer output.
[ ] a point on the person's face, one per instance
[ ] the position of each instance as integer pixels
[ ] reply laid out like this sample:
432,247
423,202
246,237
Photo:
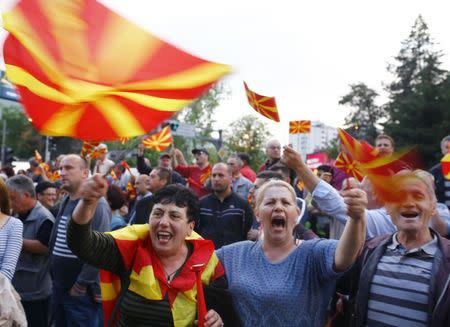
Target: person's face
446,148
385,146
416,208
165,162
233,164
325,176
48,197
169,227
220,178
72,173
278,213
201,158
155,183
142,184
18,201
273,150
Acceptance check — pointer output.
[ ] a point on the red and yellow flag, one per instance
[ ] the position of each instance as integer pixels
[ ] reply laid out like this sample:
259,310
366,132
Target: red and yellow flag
97,153
266,106
53,176
37,156
159,141
445,163
346,163
149,280
299,126
85,72
88,148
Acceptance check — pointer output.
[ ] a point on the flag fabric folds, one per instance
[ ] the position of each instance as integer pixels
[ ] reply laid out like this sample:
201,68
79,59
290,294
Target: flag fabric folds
445,163
299,126
159,141
361,160
346,163
84,71
266,106
88,148
134,244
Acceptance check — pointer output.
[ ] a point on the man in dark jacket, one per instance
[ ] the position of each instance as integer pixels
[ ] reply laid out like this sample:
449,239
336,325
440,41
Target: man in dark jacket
403,279
225,217
442,184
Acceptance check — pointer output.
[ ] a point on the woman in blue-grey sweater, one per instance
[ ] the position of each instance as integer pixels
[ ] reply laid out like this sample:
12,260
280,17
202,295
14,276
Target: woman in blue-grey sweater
10,235
278,282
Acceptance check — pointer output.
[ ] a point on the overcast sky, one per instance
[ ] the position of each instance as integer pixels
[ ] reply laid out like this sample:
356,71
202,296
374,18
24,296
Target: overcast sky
305,53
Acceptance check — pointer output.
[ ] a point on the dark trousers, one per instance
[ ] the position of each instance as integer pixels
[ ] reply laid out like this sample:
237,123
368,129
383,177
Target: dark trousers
36,312
74,311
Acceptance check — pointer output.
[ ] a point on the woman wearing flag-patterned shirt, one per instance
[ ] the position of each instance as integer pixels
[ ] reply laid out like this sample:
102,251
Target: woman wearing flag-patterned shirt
157,258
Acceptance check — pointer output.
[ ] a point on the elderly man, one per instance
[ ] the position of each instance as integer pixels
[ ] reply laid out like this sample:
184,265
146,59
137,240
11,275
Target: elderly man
103,165
32,277
225,217
273,153
404,277
442,184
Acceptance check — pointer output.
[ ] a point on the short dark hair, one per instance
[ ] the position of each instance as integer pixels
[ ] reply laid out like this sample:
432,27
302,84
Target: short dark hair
42,186
164,174
269,174
326,169
285,170
245,158
182,197
116,197
9,171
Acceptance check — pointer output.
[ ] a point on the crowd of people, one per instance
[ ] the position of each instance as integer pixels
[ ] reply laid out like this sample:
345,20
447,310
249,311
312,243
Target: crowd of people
219,244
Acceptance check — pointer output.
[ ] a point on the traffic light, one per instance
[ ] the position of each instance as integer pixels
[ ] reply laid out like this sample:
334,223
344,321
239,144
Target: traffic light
9,158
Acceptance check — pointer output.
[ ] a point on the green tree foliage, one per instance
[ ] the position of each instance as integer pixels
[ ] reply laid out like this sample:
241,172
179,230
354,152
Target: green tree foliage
20,134
418,106
248,134
365,114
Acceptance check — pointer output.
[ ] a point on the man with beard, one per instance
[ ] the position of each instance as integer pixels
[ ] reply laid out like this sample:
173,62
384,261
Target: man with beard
225,217
76,291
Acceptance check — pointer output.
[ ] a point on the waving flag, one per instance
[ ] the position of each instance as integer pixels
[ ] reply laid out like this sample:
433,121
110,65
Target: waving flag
88,148
445,163
37,156
159,141
361,159
346,163
85,72
124,140
299,126
266,106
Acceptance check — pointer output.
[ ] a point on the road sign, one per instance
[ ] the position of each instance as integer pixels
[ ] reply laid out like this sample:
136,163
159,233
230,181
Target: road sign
183,129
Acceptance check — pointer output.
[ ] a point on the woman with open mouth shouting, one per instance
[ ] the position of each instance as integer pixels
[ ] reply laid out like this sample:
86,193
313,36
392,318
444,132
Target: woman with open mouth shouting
151,271
278,282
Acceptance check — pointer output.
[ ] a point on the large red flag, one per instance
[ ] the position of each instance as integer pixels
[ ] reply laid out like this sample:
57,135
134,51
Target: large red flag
266,106
85,72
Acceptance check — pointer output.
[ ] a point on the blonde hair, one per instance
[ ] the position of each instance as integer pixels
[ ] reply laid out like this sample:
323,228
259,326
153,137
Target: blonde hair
273,183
